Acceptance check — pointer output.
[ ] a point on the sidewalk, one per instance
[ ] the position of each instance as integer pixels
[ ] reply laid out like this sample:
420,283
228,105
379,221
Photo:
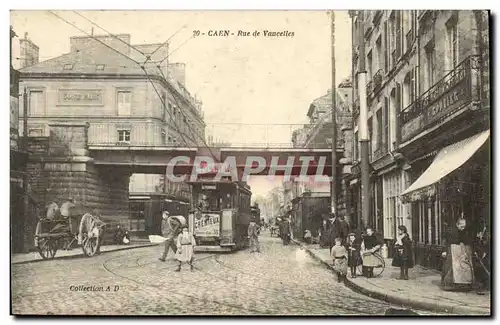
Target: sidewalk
421,291
75,252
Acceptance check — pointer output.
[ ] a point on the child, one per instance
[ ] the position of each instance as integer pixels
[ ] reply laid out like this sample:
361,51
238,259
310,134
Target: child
308,237
404,257
353,253
185,248
339,256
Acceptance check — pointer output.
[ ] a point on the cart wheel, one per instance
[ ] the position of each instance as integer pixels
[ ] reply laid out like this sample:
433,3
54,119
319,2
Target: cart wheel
47,248
89,231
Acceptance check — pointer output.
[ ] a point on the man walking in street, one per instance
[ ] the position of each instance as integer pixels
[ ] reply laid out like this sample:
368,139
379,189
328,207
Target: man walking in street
337,229
253,235
285,231
170,229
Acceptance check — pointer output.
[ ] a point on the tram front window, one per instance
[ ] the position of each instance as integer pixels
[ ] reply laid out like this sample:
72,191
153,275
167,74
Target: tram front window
209,200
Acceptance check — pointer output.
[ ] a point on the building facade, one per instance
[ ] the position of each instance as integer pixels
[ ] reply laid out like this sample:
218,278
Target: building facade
19,208
427,90
122,103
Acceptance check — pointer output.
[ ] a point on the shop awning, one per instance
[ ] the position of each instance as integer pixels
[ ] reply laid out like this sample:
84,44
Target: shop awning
446,161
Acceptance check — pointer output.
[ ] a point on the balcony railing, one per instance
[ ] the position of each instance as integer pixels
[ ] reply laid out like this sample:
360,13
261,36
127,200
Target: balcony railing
455,90
377,79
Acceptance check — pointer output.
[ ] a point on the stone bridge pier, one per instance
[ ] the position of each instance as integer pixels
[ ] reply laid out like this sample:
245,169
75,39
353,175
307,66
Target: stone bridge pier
60,167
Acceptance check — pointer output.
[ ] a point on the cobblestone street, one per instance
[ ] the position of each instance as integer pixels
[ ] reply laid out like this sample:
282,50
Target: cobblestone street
281,280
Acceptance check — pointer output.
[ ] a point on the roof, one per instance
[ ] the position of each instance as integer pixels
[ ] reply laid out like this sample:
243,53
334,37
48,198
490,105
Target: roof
324,102
86,61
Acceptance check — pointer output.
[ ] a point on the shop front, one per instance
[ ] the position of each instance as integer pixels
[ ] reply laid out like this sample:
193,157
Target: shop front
455,184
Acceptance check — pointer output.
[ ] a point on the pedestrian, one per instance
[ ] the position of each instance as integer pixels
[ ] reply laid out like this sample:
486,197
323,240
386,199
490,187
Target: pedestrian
307,236
339,257
253,235
285,231
353,248
118,235
458,270
170,229
404,255
336,229
185,248
369,247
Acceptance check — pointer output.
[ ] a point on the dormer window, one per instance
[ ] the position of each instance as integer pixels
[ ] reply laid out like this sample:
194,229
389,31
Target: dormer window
68,67
99,67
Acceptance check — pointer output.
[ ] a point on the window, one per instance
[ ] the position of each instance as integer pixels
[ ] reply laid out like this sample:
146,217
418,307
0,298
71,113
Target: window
99,67
369,59
124,99
124,136
429,64
68,67
356,147
36,103
393,207
378,118
451,44
378,47
387,47
35,132
163,106
385,125
370,136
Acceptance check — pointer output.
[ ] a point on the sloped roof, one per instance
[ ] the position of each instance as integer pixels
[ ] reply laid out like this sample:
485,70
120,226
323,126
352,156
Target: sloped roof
86,61
324,103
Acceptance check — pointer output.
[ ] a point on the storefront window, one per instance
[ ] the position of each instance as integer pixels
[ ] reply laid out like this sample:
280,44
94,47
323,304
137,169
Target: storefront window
393,207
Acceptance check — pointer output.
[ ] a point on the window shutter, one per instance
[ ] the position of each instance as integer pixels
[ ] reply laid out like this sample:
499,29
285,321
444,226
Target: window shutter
398,110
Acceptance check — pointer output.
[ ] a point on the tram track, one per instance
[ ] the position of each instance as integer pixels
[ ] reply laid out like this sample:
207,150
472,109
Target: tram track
159,286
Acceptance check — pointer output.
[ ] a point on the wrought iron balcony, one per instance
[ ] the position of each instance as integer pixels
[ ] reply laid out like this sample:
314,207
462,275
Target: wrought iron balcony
377,79
455,90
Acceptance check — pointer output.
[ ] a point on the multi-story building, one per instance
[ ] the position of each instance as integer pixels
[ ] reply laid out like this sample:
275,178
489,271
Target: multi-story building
18,161
100,82
318,134
428,121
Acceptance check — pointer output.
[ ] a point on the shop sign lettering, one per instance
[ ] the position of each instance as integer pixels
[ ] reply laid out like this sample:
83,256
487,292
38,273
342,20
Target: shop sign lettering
80,97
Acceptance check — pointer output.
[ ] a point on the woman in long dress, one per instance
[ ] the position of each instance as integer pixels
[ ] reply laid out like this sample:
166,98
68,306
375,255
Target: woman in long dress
369,247
404,253
185,248
458,270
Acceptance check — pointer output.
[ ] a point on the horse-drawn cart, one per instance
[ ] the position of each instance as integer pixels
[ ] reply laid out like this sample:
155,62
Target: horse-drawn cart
51,234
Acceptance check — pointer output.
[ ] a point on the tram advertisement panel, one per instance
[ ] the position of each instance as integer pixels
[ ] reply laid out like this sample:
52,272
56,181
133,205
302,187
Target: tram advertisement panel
207,225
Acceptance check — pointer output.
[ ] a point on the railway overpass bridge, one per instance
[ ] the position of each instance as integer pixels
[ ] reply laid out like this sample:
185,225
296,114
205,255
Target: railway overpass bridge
97,174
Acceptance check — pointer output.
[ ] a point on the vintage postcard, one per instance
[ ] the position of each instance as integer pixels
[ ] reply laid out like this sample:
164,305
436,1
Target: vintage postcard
250,162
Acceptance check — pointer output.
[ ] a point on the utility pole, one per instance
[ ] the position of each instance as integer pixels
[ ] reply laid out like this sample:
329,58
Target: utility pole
333,186
26,202
363,125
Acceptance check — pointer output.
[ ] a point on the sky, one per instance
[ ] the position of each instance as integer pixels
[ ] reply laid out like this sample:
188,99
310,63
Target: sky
251,80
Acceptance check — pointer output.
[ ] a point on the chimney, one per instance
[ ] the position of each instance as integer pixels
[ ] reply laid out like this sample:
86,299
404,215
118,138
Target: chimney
178,71
79,43
29,52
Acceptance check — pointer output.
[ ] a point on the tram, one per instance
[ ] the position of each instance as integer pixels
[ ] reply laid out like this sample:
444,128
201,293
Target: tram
221,215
